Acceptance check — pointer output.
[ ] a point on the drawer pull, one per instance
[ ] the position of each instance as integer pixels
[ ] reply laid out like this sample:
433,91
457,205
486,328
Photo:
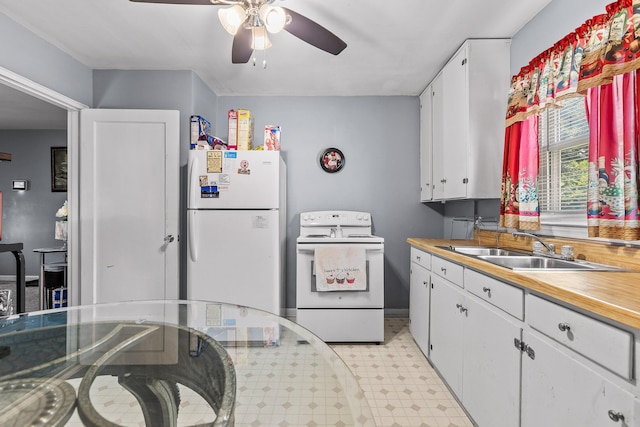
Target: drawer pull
418,258
564,327
487,290
444,270
616,416
462,308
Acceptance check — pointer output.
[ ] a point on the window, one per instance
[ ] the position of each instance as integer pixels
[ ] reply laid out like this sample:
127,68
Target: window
564,158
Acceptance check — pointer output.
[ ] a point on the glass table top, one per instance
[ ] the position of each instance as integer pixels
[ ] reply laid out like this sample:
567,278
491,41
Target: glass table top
246,367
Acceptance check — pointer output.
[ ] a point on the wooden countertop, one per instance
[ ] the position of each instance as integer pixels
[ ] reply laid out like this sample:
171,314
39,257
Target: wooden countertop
614,295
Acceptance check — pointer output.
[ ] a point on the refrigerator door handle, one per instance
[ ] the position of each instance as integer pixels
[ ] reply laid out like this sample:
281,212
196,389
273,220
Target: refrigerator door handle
193,245
193,181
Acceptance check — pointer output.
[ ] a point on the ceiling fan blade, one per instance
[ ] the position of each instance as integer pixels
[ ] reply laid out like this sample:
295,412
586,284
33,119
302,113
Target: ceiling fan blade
313,33
202,2
241,48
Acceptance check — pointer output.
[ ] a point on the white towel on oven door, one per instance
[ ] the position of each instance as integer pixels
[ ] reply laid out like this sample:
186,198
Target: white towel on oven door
340,268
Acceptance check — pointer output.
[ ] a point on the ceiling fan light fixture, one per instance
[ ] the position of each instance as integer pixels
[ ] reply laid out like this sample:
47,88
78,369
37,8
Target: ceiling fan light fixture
260,38
231,18
274,18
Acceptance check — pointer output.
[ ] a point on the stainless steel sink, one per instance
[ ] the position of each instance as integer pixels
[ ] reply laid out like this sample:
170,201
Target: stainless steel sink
482,251
539,263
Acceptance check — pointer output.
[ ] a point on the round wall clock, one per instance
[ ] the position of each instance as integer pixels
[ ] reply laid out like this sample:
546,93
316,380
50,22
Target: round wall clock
332,160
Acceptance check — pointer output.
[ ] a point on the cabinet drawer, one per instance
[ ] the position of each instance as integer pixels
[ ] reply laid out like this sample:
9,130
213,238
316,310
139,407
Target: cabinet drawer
447,270
604,344
505,297
421,258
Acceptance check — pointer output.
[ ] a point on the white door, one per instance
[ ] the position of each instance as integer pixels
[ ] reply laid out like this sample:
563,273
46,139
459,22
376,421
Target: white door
129,190
446,339
456,123
437,138
234,256
243,179
558,390
491,366
419,287
426,144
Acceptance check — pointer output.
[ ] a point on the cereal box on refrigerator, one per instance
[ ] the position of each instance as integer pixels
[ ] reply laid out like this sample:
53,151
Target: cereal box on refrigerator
272,138
232,139
245,130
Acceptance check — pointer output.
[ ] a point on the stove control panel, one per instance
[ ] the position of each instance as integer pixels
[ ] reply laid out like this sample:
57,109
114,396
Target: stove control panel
335,218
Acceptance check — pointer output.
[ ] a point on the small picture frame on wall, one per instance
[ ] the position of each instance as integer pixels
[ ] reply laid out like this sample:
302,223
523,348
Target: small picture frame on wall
58,168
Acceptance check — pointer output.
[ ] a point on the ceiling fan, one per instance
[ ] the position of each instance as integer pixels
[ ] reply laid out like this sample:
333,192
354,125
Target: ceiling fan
251,21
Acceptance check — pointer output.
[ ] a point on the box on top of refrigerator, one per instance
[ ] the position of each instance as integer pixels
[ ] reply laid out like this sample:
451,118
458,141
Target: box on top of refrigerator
200,127
245,130
272,138
232,138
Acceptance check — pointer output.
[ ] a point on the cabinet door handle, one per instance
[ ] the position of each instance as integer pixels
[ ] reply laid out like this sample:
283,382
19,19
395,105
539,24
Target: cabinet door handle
425,283
615,416
443,181
462,308
418,258
564,327
486,289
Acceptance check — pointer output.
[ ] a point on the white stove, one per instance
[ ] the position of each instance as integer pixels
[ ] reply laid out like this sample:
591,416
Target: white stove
331,307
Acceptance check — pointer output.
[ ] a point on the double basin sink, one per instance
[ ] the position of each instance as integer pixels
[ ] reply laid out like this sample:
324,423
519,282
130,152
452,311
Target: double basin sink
524,261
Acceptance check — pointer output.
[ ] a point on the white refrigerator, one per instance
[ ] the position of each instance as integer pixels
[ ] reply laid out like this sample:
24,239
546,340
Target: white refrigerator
237,228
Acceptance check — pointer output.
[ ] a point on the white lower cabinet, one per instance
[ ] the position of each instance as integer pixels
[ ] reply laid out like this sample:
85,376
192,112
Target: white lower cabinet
419,301
513,358
472,347
447,320
557,390
491,366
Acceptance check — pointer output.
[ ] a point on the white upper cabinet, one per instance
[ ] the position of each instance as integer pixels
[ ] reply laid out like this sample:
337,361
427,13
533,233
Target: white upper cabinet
468,104
426,184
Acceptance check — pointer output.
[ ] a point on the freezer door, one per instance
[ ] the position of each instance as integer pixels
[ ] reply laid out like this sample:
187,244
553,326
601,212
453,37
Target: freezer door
235,257
234,179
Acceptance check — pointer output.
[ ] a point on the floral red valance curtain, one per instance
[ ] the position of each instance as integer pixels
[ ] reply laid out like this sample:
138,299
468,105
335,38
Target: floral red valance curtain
602,48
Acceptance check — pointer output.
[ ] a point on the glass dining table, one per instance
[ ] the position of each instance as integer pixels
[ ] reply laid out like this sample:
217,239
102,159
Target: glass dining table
171,363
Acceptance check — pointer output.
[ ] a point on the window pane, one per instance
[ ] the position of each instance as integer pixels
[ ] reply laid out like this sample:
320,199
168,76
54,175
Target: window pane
574,173
564,154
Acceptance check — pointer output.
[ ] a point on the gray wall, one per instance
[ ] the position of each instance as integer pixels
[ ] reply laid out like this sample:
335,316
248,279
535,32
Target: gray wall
29,216
555,21
26,54
379,137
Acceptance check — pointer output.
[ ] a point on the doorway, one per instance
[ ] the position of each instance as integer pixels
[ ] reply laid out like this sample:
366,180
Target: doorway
42,108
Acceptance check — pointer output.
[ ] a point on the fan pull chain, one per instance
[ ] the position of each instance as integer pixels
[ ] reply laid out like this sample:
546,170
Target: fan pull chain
264,60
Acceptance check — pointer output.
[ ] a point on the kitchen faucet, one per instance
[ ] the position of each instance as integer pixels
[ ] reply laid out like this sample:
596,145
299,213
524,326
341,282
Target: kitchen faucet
550,247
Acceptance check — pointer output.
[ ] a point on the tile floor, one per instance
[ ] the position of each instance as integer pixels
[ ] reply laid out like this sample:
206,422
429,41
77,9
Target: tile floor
401,387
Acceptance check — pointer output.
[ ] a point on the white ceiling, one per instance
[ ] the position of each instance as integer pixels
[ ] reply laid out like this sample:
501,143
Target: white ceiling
393,47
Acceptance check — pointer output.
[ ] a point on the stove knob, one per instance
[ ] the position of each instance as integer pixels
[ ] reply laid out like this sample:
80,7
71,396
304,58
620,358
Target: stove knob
366,217
359,217
305,217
